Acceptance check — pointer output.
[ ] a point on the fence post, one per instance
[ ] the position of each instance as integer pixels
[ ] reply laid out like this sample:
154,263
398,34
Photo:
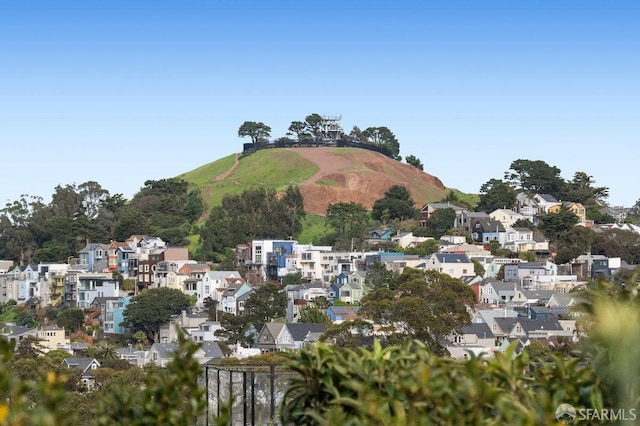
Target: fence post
272,373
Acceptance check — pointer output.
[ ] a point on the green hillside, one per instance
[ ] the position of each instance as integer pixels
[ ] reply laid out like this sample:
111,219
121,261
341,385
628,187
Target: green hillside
274,168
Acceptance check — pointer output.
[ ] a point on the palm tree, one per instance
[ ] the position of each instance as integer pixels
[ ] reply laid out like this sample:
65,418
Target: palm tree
106,351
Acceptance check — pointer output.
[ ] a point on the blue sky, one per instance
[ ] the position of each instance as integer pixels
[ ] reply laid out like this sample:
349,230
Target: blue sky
121,92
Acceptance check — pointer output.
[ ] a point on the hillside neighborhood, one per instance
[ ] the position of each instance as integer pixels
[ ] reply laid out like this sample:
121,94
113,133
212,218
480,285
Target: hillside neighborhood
531,302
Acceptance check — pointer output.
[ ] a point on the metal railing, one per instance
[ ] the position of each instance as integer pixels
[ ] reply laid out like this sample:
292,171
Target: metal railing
251,393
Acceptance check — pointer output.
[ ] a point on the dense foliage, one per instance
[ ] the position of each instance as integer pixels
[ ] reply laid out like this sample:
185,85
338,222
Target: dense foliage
254,214
408,384
425,305
349,222
41,392
32,231
152,308
396,204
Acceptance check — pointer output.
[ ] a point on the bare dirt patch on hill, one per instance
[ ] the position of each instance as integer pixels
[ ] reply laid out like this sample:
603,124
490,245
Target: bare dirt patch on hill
361,176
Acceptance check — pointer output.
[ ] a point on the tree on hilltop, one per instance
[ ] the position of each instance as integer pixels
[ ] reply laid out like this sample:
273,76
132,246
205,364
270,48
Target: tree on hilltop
257,131
384,138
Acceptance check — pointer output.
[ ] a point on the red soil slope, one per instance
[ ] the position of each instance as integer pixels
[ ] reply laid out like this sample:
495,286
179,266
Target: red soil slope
361,176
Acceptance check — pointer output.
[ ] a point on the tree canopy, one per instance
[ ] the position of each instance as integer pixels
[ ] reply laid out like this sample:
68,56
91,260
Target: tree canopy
255,213
496,194
553,225
535,177
267,303
384,138
426,306
349,220
256,131
396,204
414,161
152,308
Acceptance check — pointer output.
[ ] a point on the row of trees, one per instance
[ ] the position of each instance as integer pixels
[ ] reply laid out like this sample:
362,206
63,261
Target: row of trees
537,177
315,129
255,213
32,231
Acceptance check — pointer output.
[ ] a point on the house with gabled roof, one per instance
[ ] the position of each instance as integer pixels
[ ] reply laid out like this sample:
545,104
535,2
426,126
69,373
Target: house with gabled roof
523,297
15,333
466,220
380,235
187,321
286,336
564,304
506,217
348,288
161,354
230,297
486,230
545,202
497,293
576,208
87,367
300,296
94,257
475,338
488,316
519,239
453,264
428,209
527,328
408,240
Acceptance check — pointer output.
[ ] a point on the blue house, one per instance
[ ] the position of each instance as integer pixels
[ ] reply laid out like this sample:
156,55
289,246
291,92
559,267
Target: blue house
380,235
342,313
333,292
276,259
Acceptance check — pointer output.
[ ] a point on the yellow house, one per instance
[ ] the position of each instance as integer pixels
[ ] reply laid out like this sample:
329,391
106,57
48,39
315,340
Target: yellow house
577,209
52,336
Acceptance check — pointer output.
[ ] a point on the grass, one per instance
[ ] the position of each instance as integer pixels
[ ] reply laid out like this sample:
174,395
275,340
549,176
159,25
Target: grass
8,316
273,168
313,229
471,199
203,175
327,182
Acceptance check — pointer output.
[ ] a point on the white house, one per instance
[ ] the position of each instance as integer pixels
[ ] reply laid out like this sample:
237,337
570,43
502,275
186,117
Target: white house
455,265
407,239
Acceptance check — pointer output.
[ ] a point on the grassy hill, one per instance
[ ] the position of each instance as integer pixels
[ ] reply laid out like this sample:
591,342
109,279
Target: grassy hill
324,175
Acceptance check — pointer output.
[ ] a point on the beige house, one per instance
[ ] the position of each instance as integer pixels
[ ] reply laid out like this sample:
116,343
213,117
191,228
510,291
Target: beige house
52,337
506,217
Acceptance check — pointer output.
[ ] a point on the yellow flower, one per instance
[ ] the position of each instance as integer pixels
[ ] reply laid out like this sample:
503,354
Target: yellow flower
4,410
51,377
